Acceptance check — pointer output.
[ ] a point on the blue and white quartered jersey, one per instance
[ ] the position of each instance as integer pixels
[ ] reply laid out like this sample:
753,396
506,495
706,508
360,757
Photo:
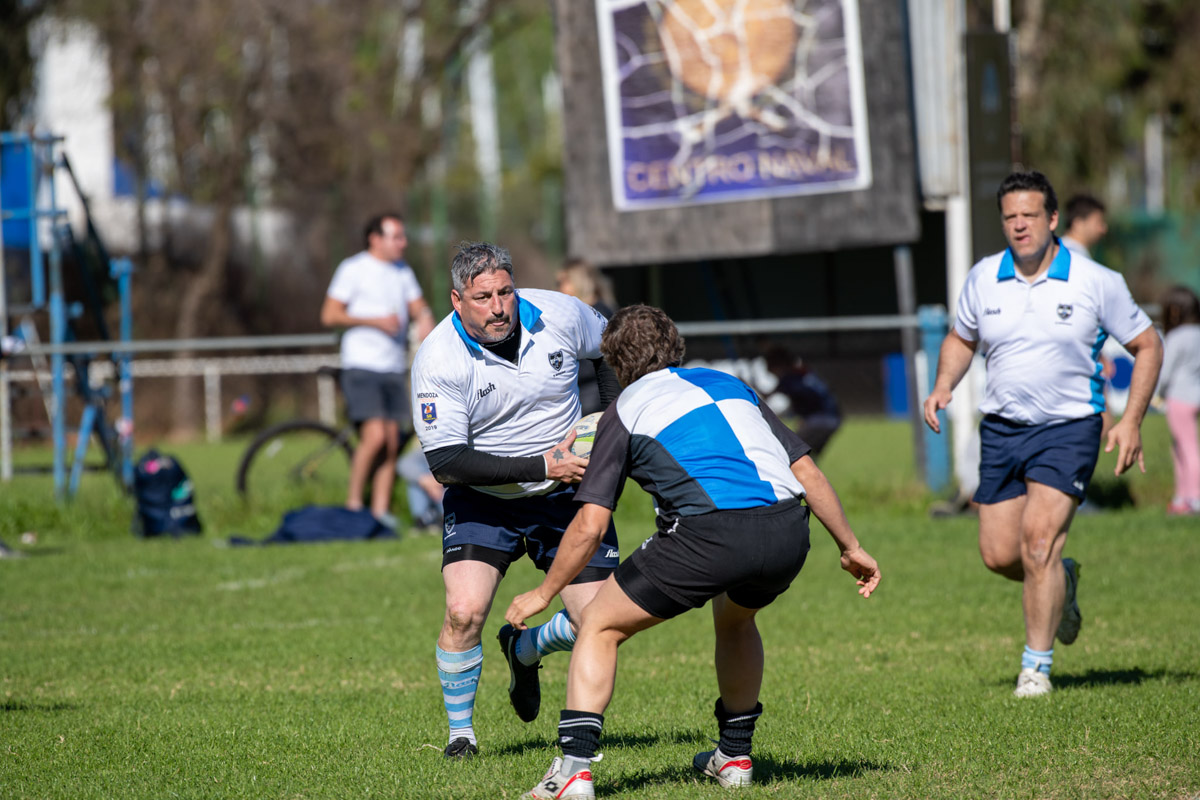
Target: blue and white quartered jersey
465,394
698,441
1042,340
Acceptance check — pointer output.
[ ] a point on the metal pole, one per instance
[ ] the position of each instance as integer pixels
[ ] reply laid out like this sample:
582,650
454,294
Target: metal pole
937,447
906,299
122,270
212,403
326,399
6,467
58,333
958,235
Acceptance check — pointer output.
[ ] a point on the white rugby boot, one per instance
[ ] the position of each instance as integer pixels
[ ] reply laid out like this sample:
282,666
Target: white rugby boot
1031,683
730,771
555,784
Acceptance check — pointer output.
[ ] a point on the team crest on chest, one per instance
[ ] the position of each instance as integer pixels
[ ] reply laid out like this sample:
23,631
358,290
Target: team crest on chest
428,412
556,360
1065,310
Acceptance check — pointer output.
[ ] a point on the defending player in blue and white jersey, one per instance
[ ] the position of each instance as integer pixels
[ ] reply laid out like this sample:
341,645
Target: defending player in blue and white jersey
1042,313
495,398
733,489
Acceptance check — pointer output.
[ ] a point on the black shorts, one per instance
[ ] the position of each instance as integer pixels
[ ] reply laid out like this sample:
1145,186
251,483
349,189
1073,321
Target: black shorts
752,554
376,395
480,527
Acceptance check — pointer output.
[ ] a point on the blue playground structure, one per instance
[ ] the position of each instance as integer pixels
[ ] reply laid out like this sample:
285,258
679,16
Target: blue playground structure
50,275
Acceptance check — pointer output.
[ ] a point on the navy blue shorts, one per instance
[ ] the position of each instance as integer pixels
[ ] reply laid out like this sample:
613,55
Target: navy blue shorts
479,527
1060,455
752,554
376,395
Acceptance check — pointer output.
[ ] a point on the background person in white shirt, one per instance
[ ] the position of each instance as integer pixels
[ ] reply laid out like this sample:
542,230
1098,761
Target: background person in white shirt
1042,314
375,296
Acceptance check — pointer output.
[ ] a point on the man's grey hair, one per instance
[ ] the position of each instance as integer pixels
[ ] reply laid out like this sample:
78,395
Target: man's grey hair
475,258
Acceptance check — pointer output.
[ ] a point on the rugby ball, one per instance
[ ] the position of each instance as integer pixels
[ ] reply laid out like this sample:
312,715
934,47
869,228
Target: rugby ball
585,435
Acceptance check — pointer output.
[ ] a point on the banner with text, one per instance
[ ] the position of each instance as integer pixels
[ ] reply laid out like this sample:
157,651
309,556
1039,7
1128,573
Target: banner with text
711,101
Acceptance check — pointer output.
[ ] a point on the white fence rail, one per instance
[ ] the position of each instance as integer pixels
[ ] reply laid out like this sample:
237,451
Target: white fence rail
212,370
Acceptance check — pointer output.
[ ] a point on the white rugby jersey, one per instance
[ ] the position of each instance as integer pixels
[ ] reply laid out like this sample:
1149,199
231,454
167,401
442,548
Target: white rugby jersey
371,287
1042,340
463,393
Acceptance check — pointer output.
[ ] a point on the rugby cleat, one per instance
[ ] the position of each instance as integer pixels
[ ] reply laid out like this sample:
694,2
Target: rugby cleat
1031,683
555,784
730,771
524,688
1072,620
460,748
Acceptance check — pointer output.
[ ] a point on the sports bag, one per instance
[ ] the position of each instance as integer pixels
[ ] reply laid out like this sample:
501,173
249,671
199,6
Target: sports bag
166,502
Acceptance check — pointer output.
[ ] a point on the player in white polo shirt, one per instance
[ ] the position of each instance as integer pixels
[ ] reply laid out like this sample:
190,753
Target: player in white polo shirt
495,399
1041,314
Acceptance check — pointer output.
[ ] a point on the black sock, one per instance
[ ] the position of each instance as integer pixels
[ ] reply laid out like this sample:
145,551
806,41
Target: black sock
736,729
579,733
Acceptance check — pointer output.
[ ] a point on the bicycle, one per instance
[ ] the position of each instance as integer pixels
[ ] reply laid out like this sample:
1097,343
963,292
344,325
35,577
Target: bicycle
304,456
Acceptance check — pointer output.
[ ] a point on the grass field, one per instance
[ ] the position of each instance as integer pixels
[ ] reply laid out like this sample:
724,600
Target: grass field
158,669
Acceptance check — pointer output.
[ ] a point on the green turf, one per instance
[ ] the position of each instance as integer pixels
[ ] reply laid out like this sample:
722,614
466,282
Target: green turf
156,669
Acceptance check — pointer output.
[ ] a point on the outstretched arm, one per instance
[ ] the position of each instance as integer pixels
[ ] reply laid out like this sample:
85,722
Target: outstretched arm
825,504
579,543
953,362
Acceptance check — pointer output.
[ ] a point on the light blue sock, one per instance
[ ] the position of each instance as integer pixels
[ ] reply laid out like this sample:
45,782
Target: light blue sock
1037,659
551,637
459,674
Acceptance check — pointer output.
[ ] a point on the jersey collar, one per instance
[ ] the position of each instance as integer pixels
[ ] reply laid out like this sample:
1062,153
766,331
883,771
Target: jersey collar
527,312
1060,267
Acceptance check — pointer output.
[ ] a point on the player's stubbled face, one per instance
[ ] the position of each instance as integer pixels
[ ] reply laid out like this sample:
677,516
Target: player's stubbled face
487,306
1027,226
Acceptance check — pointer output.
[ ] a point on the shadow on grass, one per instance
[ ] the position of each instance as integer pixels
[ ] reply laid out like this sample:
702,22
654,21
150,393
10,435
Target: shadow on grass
625,740
767,771
21,705
1112,677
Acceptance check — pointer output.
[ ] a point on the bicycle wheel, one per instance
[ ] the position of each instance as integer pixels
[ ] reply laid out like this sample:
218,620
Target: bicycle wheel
302,461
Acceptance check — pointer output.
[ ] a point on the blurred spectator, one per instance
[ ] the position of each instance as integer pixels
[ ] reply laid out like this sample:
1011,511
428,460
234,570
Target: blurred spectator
579,278
374,297
814,408
423,491
1086,224
1179,386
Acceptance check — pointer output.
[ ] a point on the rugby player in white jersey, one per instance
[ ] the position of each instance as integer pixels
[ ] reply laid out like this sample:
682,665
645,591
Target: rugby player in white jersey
733,488
1042,314
495,399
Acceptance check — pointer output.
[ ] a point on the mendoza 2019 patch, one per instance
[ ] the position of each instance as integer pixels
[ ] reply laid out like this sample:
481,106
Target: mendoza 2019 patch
428,412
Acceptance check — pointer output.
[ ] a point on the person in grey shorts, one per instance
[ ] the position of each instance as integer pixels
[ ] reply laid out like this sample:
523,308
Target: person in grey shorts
374,296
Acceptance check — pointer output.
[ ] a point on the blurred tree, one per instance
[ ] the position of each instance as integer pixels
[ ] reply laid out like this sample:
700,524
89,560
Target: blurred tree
16,61
1089,74
325,111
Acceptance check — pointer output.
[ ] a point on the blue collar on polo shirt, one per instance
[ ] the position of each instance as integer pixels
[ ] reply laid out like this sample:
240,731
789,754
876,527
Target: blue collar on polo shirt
1060,267
527,312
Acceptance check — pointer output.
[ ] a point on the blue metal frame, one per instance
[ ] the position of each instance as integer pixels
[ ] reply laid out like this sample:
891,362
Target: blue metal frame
42,159
937,448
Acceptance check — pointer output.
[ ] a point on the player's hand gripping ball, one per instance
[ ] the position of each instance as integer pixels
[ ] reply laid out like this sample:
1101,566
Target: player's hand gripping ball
585,435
